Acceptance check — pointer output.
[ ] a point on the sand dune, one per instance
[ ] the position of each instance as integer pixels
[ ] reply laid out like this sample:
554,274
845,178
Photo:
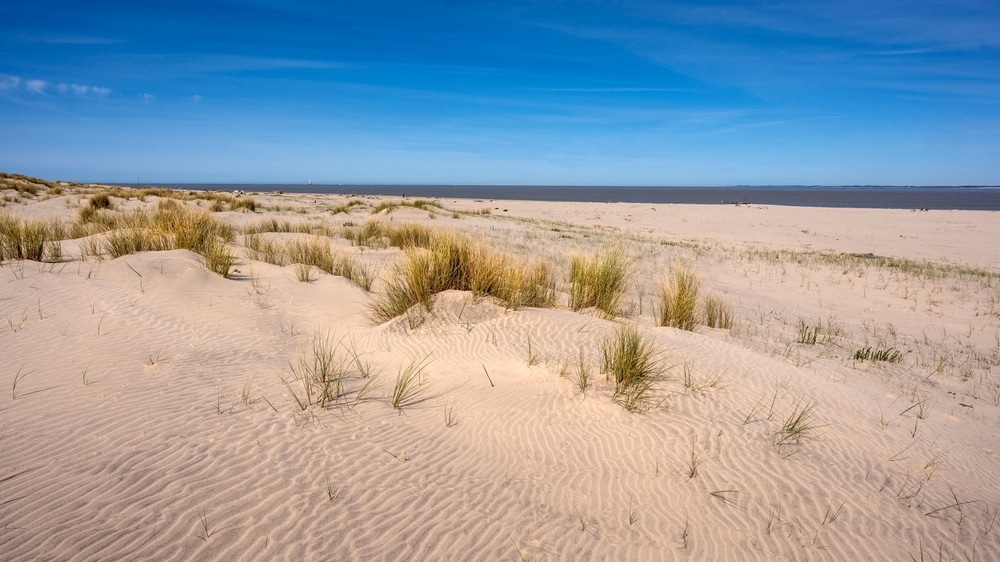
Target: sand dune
145,416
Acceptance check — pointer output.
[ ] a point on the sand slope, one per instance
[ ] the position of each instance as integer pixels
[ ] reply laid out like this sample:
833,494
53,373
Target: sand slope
144,416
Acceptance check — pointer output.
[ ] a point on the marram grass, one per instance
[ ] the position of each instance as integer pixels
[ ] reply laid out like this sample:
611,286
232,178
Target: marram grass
454,261
677,302
599,281
631,363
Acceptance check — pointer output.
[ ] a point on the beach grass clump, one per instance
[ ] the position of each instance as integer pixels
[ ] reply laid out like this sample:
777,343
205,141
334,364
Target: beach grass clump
219,258
409,284
599,281
630,362
246,204
170,226
304,273
346,207
374,233
717,312
537,285
271,224
354,271
456,262
410,235
263,248
808,333
371,234
422,204
314,251
677,299
34,240
197,231
99,201
890,355
125,241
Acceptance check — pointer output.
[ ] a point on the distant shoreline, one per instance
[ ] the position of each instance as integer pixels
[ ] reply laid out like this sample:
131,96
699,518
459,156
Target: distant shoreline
967,198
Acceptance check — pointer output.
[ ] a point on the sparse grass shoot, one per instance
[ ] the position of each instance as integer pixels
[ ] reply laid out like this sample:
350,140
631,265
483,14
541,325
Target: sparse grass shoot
799,424
406,391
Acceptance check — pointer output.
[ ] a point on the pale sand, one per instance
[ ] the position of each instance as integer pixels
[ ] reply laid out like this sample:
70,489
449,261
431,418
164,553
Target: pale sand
158,456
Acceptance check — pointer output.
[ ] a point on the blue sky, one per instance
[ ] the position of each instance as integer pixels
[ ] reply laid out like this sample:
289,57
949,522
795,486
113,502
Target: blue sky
459,91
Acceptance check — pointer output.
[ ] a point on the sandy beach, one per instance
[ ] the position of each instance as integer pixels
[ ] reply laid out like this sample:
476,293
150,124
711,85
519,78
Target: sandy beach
846,405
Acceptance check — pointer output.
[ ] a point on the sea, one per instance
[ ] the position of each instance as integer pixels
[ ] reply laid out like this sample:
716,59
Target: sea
975,198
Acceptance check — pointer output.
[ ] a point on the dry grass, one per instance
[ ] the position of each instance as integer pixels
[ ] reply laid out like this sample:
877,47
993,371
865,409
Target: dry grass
677,304
375,233
30,239
600,281
170,226
630,362
456,262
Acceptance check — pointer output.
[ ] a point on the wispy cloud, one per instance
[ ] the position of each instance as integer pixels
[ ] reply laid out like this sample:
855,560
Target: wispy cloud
8,82
230,63
148,98
36,86
611,90
83,90
68,39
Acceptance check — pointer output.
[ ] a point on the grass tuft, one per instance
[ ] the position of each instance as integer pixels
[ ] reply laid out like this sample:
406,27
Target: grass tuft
630,362
321,372
717,312
798,425
599,281
891,355
678,299
406,391
456,262
29,239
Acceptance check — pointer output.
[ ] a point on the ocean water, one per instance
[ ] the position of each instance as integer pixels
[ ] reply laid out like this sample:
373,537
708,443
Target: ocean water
938,198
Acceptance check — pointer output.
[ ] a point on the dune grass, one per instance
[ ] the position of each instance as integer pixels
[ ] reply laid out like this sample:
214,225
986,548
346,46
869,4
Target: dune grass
677,299
798,425
717,312
262,248
321,371
890,355
600,281
35,240
406,391
630,362
170,226
306,254
374,233
422,204
456,262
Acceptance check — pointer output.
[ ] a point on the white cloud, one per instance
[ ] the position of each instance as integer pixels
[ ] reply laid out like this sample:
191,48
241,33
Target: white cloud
148,97
36,86
83,90
8,82
196,98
